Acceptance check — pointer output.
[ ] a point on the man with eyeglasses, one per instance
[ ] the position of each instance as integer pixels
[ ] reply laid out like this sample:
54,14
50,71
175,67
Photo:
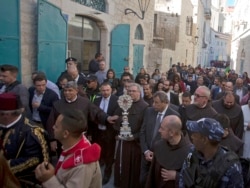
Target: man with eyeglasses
128,154
201,107
92,90
149,134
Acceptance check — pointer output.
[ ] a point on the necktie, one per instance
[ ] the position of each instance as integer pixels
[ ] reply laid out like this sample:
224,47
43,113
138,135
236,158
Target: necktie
103,127
157,126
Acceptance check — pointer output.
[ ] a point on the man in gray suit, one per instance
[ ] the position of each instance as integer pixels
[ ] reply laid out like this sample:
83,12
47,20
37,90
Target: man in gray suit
149,130
239,89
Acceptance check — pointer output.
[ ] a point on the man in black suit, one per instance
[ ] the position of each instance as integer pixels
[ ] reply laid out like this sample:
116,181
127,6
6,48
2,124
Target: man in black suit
149,130
41,100
105,135
173,98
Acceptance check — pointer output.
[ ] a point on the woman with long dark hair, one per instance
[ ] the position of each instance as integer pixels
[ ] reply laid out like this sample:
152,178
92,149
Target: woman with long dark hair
114,82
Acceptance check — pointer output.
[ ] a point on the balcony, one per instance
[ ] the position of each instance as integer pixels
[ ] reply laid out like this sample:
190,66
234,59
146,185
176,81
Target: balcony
207,14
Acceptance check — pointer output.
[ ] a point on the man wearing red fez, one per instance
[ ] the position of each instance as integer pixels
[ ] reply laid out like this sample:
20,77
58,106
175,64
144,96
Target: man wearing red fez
23,147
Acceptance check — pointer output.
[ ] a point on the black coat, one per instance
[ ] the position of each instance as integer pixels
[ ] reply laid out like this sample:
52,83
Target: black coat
49,97
112,106
148,126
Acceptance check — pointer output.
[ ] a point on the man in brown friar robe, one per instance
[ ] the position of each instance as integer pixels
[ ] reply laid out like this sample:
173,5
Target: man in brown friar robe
170,153
201,107
227,105
229,140
72,100
128,154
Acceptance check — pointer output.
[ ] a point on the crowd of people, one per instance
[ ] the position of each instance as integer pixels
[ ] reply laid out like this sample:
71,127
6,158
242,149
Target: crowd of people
183,123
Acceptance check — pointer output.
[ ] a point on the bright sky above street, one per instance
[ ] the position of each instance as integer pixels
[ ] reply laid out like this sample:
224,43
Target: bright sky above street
230,2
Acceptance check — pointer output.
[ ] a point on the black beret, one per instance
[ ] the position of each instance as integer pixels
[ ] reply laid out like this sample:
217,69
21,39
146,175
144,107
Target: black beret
91,77
70,59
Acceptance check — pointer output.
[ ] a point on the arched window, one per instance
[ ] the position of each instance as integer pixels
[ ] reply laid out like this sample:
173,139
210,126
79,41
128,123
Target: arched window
139,33
95,4
189,25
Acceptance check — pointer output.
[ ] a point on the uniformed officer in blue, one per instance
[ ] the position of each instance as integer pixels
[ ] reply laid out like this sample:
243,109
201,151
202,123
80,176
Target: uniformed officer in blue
22,144
208,165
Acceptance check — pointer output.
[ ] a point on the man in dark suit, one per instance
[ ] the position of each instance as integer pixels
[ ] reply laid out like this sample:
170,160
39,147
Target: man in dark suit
149,130
105,135
41,100
216,87
173,98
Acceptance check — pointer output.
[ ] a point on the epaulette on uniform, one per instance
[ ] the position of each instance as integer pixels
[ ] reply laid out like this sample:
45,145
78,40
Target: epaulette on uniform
42,137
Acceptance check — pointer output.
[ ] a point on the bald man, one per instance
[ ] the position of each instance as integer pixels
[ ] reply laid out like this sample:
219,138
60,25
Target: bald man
169,154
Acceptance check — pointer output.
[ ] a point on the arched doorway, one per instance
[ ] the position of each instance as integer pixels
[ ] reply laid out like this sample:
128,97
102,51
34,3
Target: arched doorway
83,40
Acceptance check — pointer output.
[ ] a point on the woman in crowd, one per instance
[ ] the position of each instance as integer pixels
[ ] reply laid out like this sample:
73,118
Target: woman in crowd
177,79
156,75
177,90
140,74
112,80
159,86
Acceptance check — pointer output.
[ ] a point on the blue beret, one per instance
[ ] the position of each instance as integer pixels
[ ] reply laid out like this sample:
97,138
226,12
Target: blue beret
207,127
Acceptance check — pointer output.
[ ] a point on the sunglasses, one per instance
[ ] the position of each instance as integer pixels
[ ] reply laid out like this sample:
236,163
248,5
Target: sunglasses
198,96
89,81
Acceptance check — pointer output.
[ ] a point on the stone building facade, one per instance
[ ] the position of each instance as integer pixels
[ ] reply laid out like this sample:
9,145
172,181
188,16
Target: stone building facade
240,56
173,34
105,21
170,32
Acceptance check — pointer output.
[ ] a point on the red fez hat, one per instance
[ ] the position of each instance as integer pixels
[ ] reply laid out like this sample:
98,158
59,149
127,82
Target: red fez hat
9,101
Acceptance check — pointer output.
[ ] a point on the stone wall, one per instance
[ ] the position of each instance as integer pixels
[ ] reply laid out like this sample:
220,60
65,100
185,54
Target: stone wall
173,48
171,43
106,21
28,29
